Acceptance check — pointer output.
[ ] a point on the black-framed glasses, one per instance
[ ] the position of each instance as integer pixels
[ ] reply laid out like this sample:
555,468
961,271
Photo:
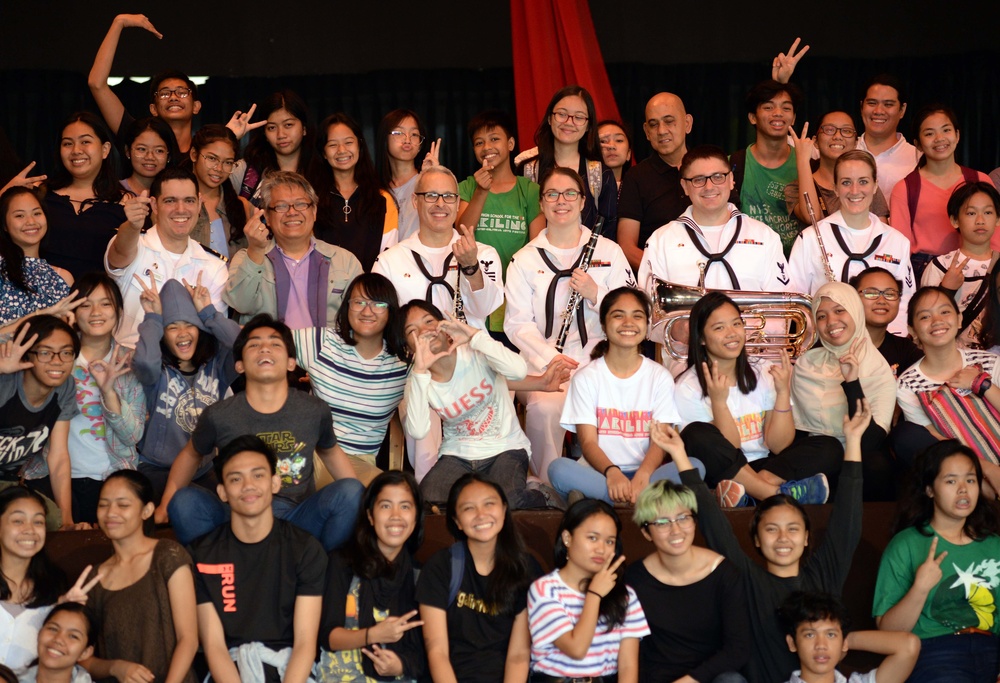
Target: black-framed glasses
683,521
716,178
872,293
830,130
432,197
358,305
562,116
283,207
215,162
552,196
165,93
415,138
47,356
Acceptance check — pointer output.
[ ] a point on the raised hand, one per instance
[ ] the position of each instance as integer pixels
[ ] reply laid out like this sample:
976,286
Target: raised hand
138,21
392,629
136,209
784,65
423,356
22,179
240,122
199,293
149,299
606,577
78,593
667,438
459,332
13,351
964,378
855,426
929,572
954,277
387,663
65,308
105,373
484,175
716,382
465,248
582,282
781,373
433,157
850,365
804,145
256,232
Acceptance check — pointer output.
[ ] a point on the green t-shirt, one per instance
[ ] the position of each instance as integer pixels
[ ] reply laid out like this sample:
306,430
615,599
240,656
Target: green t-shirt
963,598
503,224
770,194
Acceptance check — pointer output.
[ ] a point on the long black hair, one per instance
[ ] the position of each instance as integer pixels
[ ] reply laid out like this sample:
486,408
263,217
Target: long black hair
989,333
142,487
916,508
365,558
12,254
106,187
47,581
746,378
235,213
546,141
511,573
259,154
614,605
370,185
378,288
388,123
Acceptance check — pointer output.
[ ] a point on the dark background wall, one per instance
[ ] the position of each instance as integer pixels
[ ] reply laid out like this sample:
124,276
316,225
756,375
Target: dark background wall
450,59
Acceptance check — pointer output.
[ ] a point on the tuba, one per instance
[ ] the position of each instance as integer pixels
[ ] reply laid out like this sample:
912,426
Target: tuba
791,311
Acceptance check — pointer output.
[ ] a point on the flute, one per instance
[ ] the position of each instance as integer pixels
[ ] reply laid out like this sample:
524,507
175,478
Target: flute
819,238
574,297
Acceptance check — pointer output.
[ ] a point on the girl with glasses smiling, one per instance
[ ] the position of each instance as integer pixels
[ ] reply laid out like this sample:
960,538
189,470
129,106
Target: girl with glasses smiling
705,634
224,213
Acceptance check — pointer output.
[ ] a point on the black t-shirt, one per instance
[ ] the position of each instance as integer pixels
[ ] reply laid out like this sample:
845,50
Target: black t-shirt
477,636
77,241
253,586
24,429
699,630
651,194
900,353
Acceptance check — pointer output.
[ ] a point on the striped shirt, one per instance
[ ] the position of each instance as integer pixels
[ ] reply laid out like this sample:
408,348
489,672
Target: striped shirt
553,610
362,394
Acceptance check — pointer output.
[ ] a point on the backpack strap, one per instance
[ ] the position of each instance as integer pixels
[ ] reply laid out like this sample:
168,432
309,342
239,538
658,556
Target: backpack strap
457,570
738,162
912,180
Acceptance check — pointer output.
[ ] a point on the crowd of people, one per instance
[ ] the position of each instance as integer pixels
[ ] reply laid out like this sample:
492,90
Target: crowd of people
198,339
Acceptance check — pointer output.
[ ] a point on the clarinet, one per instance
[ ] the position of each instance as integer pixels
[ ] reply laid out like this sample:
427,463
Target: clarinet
574,297
819,238
457,305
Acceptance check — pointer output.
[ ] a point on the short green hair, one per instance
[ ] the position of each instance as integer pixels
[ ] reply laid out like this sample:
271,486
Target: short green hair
662,495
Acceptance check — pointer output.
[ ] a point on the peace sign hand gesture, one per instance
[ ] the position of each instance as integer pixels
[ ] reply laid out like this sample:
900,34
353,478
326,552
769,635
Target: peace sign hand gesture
850,365
150,297
240,122
78,593
954,277
606,578
199,293
784,65
433,157
804,145
929,572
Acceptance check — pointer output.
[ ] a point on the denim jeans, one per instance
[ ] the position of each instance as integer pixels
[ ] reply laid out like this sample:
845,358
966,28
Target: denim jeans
509,470
968,658
328,514
567,474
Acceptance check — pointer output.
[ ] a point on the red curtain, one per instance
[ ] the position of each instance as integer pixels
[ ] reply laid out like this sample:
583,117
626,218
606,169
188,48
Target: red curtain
554,46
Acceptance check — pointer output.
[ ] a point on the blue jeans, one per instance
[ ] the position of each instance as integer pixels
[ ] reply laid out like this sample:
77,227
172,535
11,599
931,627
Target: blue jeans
328,514
968,658
567,474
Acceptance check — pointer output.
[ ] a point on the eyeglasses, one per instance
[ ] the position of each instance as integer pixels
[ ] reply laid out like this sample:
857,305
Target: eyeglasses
415,138
282,207
358,305
165,93
46,356
872,293
562,116
215,162
700,180
142,151
683,521
552,196
432,197
831,130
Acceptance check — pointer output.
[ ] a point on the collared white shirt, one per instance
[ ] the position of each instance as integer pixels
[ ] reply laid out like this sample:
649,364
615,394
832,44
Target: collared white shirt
894,163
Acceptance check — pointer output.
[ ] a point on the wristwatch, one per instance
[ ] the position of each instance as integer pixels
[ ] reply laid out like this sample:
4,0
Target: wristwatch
469,271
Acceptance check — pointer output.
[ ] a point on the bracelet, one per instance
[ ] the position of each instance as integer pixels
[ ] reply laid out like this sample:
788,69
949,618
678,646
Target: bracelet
779,410
608,468
981,384
366,636
599,596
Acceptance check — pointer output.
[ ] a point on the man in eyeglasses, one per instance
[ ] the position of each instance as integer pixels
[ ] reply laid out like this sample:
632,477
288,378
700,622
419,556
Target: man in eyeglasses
164,252
285,271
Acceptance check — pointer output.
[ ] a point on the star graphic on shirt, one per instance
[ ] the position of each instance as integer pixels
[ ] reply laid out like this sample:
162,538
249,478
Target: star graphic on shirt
966,578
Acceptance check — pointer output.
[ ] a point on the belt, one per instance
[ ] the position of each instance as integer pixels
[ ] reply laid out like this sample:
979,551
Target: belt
537,677
971,629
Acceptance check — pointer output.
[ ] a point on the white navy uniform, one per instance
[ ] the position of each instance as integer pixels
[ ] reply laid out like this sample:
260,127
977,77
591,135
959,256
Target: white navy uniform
877,245
400,265
536,299
751,259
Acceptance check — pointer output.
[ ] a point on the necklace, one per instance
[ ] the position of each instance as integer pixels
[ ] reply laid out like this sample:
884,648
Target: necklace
347,208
